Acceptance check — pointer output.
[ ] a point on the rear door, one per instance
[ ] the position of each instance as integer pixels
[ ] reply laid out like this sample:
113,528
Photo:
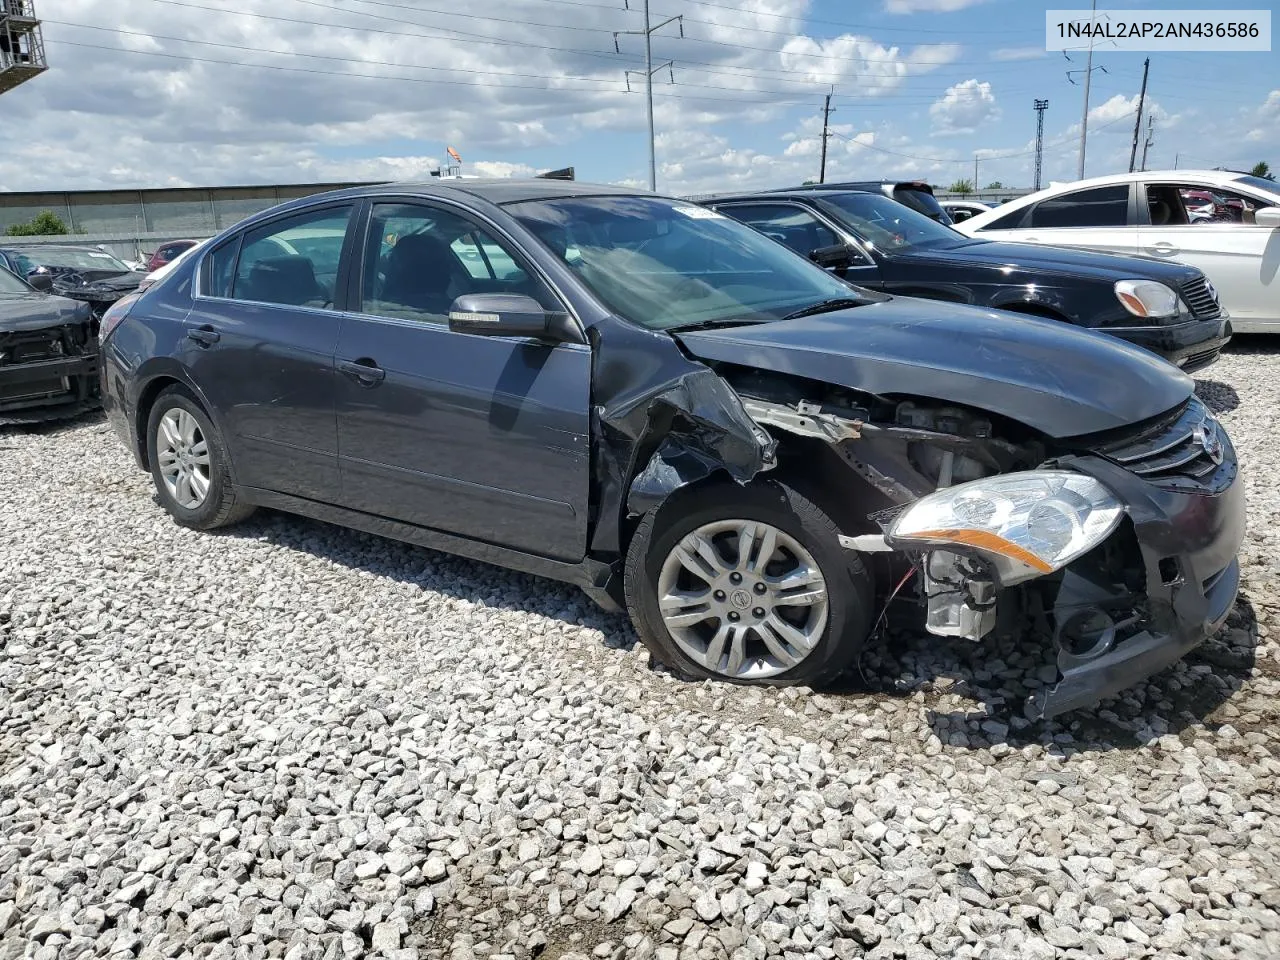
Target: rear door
806,232
485,437
260,341
1230,250
1096,218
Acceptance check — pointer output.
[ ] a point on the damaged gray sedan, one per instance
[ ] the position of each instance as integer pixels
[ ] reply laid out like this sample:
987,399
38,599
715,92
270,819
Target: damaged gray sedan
644,398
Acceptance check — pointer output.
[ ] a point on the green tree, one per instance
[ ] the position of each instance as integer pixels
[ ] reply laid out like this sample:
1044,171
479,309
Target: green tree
44,224
961,186
1262,169
995,185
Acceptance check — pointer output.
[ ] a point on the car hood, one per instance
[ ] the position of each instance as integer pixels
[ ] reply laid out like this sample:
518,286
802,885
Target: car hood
1055,378
1044,260
35,311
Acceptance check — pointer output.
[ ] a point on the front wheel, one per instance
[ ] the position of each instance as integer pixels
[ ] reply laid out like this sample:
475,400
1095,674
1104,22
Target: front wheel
747,584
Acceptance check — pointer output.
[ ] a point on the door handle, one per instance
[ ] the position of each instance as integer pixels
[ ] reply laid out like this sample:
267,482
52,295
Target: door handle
1163,249
364,371
205,335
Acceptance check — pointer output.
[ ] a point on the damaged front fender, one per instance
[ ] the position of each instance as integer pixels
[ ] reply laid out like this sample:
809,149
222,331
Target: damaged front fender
664,421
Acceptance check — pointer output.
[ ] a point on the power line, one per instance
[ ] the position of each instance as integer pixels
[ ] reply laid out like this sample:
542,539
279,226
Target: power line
647,33
868,101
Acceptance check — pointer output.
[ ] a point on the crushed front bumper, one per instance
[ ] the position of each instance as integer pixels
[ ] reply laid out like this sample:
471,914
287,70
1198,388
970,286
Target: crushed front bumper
1188,542
49,389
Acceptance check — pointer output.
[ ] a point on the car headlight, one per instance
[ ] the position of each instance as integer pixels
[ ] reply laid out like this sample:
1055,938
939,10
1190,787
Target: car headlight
1147,298
1028,524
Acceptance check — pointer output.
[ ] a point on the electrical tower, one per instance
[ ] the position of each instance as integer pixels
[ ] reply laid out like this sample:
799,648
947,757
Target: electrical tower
21,44
1041,106
648,71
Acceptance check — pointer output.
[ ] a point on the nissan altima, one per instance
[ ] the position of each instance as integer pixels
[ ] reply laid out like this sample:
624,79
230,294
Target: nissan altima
648,399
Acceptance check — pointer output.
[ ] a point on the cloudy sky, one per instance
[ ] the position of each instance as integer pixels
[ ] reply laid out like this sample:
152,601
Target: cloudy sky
208,92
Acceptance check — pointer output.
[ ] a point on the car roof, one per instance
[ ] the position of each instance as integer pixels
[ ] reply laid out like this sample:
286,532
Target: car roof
1213,177
496,190
51,246
788,193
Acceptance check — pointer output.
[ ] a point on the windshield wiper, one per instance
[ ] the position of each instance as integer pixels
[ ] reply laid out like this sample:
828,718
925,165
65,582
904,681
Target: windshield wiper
824,306
710,324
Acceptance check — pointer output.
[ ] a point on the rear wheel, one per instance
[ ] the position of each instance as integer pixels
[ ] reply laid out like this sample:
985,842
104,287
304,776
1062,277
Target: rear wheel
747,584
189,464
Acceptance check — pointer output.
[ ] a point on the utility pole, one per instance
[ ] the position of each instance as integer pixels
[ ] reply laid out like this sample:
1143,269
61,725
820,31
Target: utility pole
649,71
1088,78
1137,124
1147,143
975,173
826,116
1041,106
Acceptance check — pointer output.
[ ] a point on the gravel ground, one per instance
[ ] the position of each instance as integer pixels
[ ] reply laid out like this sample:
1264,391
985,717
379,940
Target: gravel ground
293,740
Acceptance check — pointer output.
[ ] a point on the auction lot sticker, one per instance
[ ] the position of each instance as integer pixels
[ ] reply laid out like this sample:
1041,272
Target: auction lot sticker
1204,30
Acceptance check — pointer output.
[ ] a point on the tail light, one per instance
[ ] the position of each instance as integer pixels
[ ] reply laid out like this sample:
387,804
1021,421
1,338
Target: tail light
116,313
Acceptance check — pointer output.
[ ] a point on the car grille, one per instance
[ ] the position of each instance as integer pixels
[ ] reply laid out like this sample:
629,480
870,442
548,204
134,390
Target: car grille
1186,451
1194,361
1199,296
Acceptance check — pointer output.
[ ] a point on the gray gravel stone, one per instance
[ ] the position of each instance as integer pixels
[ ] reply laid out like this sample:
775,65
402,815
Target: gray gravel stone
290,740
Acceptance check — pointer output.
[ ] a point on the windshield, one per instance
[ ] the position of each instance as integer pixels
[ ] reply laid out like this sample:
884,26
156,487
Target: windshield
1261,183
664,264
889,226
9,284
74,259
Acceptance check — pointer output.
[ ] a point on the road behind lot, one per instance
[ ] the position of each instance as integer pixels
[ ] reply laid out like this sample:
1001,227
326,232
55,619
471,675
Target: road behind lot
294,740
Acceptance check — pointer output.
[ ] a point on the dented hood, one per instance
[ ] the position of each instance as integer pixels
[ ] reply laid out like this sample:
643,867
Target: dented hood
1055,378
36,311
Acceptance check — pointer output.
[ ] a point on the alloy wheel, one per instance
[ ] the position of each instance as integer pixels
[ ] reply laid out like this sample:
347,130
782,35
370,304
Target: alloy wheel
183,454
743,598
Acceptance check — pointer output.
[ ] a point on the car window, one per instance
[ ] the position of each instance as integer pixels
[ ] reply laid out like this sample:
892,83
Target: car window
219,268
70,259
1096,207
922,202
888,225
294,260
787,223
1183,204
665,263
419,259
10,284
1008,221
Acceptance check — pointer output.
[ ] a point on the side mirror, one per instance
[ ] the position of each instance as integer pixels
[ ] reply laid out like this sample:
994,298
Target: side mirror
40,280
503,315
836,255
1268,217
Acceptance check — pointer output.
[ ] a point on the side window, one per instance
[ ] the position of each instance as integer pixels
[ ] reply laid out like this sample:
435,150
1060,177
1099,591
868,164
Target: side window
1204,205
419,259
1097,207
219,268
293,261
1009,221
790,225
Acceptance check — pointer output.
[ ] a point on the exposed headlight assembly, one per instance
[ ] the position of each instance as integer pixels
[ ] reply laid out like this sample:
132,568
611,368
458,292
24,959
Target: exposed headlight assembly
1148,298
1027,524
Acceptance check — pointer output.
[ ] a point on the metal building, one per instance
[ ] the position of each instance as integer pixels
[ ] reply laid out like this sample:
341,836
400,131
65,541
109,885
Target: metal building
21,44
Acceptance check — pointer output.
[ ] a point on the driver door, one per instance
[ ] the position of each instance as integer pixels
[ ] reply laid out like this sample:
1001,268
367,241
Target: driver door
482,436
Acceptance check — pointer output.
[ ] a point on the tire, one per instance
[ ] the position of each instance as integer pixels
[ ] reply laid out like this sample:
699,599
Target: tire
217,507
833,641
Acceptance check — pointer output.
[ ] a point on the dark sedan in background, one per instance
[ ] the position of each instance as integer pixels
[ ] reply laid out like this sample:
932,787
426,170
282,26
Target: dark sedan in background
872,241
649,399
48,354
87,274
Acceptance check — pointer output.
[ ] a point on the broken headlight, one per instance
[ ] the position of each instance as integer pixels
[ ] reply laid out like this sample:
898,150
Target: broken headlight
1026,524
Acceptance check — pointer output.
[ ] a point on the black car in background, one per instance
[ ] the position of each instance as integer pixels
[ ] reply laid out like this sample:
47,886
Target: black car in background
48,354
877,243
88,274
915,194
648,399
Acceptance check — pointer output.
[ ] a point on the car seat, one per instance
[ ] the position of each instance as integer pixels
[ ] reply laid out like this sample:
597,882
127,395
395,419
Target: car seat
420,274
289,279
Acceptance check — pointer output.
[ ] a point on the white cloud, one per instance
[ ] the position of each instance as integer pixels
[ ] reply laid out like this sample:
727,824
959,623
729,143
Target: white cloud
964,108
1271,106
1018,53
859,63
928,6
